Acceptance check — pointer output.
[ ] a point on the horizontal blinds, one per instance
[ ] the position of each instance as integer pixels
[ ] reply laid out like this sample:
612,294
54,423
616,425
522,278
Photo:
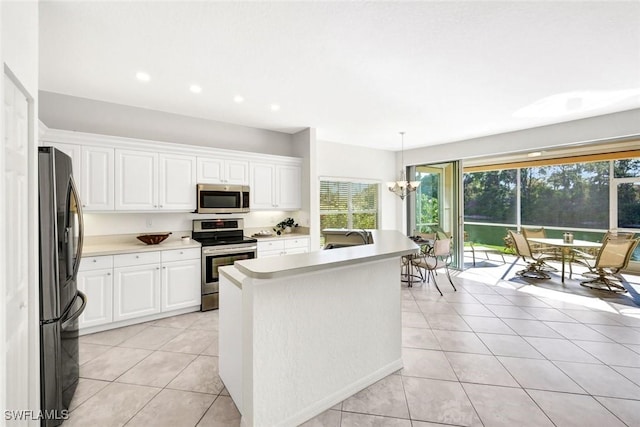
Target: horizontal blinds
334,196
630,154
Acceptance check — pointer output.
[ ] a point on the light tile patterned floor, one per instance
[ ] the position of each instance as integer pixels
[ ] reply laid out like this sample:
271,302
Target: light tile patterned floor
495,353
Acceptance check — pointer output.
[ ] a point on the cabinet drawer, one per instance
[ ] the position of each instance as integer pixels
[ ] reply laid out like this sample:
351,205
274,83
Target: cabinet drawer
138,258
302,242
95,263
180,254
271,245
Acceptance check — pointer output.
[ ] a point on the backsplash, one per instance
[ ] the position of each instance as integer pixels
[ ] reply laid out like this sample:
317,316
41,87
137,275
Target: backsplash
99,224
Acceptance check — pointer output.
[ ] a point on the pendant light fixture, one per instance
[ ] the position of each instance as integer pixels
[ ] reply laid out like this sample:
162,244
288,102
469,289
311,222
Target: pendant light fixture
402,187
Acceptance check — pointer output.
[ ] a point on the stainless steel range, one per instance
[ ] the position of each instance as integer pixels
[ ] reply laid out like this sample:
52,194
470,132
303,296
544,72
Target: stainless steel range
223,243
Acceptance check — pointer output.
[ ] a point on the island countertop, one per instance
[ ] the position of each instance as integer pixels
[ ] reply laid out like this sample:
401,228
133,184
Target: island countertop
386,244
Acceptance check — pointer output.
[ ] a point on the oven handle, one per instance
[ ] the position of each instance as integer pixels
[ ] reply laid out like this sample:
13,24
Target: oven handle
229,251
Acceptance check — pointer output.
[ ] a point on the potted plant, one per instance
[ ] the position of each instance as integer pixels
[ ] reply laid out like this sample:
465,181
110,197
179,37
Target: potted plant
285,226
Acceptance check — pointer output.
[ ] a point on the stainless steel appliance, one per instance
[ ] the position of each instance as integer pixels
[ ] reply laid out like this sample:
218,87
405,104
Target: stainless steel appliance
216,198
61,231
223,243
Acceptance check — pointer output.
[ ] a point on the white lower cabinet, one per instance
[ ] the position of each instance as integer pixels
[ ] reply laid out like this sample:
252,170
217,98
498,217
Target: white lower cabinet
178,278
283,246
135,285
136,291
97,285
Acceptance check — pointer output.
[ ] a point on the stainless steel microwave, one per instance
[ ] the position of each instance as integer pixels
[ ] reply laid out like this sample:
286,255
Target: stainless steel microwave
221,198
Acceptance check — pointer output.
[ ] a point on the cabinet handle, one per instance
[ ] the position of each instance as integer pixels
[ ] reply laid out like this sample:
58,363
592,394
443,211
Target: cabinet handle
137,256
95,260
84,206
181,253
164,268
108,274
155,206
160,205
157,268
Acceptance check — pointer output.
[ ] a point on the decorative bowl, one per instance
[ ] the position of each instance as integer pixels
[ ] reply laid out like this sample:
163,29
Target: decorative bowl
153,238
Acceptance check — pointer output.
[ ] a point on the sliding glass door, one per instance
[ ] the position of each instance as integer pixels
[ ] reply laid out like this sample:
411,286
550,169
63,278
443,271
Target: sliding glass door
435,206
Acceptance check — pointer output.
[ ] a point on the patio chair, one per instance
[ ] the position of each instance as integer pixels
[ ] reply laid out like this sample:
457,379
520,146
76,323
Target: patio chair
549,252
438,257
535,263
473,248
407,266
613,257
584,257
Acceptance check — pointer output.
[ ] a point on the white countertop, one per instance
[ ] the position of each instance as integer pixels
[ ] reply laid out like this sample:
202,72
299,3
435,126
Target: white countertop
127,243
387,244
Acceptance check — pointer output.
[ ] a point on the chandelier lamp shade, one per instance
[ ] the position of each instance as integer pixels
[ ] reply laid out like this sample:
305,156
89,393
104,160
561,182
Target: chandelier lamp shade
402,187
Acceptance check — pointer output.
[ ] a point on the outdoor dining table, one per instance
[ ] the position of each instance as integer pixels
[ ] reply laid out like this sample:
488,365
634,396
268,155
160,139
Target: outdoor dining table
566,247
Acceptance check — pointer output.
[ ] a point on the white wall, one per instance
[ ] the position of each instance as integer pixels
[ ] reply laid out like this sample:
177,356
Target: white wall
584,131
19,53
305,147
346,161
66,112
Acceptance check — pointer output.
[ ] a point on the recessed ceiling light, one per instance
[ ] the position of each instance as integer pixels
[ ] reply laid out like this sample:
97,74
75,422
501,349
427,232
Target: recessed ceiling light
238,99
195,88
535,154
275,107
142,76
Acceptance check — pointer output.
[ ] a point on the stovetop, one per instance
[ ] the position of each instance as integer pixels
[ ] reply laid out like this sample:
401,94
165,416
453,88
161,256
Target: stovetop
209,241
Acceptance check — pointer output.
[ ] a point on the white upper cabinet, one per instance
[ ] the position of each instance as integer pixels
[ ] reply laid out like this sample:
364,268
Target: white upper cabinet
275,187
288,189
97,189
262,189
222,171
177,184
151,181
136,180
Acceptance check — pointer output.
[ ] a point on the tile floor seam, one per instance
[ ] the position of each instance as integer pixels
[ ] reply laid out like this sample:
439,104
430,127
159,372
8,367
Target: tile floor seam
143,406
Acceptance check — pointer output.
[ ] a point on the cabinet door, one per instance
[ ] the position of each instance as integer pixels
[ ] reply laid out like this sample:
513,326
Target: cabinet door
177,185
236,172
210,171
97,285
262,186
75,152
136,178
180,284
96,191
136,291
289,189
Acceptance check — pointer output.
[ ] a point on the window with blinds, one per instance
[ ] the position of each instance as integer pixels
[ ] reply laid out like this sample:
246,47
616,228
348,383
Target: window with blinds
346,204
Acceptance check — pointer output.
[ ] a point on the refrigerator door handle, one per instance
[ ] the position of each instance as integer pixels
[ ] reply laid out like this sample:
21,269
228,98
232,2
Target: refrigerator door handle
76,267
77,314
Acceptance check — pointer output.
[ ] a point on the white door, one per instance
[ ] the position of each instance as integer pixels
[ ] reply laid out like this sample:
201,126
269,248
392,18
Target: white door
136,291
177,187
14,267
262,186
97,285
180,284
136,180
236,172
289,191
96,191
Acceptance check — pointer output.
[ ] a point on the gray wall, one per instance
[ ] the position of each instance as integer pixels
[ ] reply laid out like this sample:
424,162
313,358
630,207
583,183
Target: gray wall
66,112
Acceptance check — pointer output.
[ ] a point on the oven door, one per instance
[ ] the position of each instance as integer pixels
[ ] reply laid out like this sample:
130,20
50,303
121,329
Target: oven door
214,258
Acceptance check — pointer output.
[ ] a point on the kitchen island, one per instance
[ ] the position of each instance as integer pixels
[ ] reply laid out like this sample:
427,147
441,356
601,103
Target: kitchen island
300,333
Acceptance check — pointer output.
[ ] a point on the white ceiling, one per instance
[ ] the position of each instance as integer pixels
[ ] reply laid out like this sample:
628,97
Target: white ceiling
359,72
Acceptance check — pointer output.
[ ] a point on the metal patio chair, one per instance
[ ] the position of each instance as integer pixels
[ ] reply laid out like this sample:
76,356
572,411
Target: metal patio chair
534,262
613,257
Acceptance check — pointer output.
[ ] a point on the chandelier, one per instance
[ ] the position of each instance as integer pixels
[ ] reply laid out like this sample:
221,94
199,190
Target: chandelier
402,187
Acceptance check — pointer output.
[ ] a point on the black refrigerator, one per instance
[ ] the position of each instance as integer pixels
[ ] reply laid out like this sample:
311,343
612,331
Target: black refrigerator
61,232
